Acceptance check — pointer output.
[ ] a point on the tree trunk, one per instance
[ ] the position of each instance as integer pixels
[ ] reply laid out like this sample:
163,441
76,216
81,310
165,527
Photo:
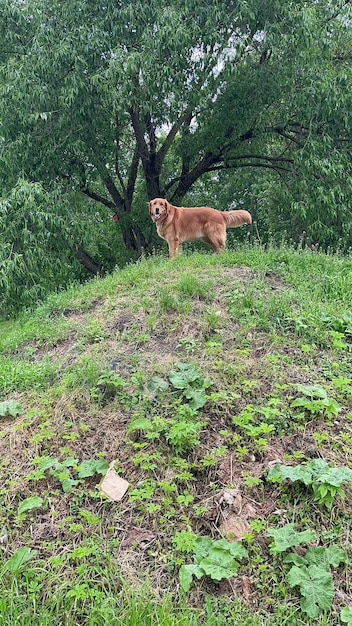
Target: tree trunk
132,235
88,263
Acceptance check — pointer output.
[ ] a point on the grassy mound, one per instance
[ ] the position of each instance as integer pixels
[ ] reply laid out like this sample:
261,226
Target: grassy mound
220,389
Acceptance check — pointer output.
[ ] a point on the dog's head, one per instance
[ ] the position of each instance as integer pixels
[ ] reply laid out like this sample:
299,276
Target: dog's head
158,209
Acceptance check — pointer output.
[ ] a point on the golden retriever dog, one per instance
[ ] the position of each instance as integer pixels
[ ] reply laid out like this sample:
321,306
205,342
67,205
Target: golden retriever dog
179,224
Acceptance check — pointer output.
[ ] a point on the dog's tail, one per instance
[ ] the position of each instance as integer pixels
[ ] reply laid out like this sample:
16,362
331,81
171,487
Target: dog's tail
234,219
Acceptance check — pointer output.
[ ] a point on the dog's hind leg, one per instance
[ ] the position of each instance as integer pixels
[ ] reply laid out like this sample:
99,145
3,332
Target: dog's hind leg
216,238
216,243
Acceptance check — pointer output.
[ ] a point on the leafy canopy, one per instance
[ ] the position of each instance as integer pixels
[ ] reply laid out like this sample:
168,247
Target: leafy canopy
123,101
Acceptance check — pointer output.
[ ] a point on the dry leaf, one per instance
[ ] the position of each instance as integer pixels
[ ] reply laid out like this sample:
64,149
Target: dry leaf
246,587
137,536
113,485
234,528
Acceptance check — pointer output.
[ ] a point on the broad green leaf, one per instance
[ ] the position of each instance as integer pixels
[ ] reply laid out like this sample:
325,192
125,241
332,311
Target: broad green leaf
186,575
333,407
294,473
335,476
45,462
90,467
15,562
157,384
219,564
314,406
34,502
286,537
294,558
235,548
141,423
10,408
69,462
313,391
186,374
68,484
198,398
101,466
316,587
202,546
323,491
325,557
318,467
346,615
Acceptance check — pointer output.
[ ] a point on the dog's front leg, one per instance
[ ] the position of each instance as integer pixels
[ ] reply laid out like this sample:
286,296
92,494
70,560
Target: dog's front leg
174,246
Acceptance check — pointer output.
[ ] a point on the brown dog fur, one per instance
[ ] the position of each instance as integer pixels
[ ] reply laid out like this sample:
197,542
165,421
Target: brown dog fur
179,224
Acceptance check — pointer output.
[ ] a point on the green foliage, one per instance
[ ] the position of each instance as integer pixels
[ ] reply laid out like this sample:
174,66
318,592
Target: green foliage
189,379
36,245
10,408
346,615
246,421
16,562
217,559
143,100
90,467
324,479
17,374
341,323
321,557
311,571
140,423
34,502
316,587
181,430
108,386
184,541
312,575
287,537
145,491
190,285
69,472
315,400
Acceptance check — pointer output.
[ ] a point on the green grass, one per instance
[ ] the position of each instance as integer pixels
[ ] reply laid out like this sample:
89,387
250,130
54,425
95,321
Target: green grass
121,606
194,377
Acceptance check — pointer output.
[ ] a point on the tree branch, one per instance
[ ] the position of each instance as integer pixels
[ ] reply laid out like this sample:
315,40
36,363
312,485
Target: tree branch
212,163
277,159
117,165
139,134
185,182
184,119
116,197
151,171
254,164
86,260
132,175
150,128
113,191
98,198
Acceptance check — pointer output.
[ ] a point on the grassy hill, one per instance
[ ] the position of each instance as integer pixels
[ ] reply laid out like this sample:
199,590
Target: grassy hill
220,388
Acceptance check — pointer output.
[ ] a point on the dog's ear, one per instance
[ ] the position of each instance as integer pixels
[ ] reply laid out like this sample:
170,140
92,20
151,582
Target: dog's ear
167,207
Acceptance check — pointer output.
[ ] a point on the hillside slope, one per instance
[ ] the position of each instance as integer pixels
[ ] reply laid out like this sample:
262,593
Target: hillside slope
206,380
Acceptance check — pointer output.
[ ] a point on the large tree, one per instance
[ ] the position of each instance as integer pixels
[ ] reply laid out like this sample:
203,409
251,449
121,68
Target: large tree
126,100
